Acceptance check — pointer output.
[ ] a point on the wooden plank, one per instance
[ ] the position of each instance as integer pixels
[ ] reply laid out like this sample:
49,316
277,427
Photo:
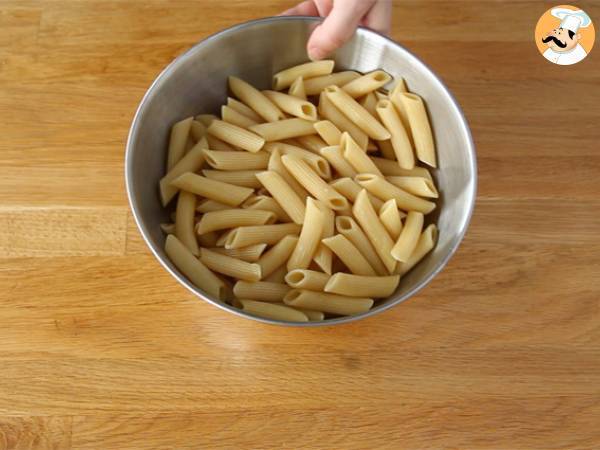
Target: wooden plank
43,433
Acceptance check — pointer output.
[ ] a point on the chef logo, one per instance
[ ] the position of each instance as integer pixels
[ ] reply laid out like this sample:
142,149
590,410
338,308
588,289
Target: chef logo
564,35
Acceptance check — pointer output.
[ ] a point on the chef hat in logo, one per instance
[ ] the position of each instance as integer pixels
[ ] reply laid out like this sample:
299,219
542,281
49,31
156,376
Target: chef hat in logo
571,20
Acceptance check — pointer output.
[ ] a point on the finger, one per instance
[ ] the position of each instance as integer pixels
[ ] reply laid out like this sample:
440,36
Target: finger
324,7
306,8
337,28
379,18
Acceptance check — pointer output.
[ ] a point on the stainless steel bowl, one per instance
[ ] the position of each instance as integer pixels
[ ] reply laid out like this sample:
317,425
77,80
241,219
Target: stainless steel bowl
196,82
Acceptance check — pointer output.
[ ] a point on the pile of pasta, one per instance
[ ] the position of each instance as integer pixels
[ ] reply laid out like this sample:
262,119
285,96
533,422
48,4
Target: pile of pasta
304,202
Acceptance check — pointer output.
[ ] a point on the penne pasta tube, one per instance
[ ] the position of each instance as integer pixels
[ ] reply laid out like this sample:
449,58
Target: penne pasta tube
208,239
328,132
313,316
328,303
206,205
324,256
261,290
229,266
356,113
314,184
312,142
193,269
278,276
273,311
367,83
168,228
212,189
233,218
335,157
423,187
220,242
387,151
362,286
297,88
391,168
177,141
307,279
245,178
315,161
356,157
236,118
243,109
350,189
260,234
252,253
315,85
310,236
184,221
285,78
420,128
293,105
205,119
407,241
266,203
330,112
236,136
385,190
276,165
283,129
236,160
191,162
424,245
277,256
255,99
197,130
390,218
396,99
283,194
378,236
369,102
349,255
217,144
400,141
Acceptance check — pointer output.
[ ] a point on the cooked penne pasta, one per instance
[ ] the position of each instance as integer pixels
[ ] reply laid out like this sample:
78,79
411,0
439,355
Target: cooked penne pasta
293,105
236,160
197,130
356,157
328,132
314,86
420,128
369,102
356,113
278,275
234,117
385,190
261,290
350,189
222,238
297,88
407,241
233,218
310,236
236,136
167,228
391,168
328,303
193,269
266,203
255,99
260,234
285,196
367,83
314,184
285,78
273,311
312,142
283,129
212,189
400,141
191,162
378,236
277,255
243,109
252,253
390,218
387,151
184,221
307,279
245,178
315,161
217,144
336,158
362,286
206,205
423,187
205,119
229,266
424,245
177,142
330,112
313,316
323,256
208,239
396,99
276,165
349,255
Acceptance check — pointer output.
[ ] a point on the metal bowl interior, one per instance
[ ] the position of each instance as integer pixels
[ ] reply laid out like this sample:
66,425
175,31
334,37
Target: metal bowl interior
196,82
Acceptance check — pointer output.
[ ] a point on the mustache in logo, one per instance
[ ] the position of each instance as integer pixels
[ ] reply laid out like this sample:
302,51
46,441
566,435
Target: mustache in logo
555,40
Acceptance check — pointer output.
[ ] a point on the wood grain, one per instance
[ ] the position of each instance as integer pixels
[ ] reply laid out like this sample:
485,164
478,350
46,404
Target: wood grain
101,348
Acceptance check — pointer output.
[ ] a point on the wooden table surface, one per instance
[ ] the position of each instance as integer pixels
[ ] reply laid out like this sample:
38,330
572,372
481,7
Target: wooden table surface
101,349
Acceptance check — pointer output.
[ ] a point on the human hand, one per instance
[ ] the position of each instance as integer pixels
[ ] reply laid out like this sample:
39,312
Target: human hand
341,19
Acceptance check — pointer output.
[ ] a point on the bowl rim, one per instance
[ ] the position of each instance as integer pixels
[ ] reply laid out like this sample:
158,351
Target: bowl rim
163,75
